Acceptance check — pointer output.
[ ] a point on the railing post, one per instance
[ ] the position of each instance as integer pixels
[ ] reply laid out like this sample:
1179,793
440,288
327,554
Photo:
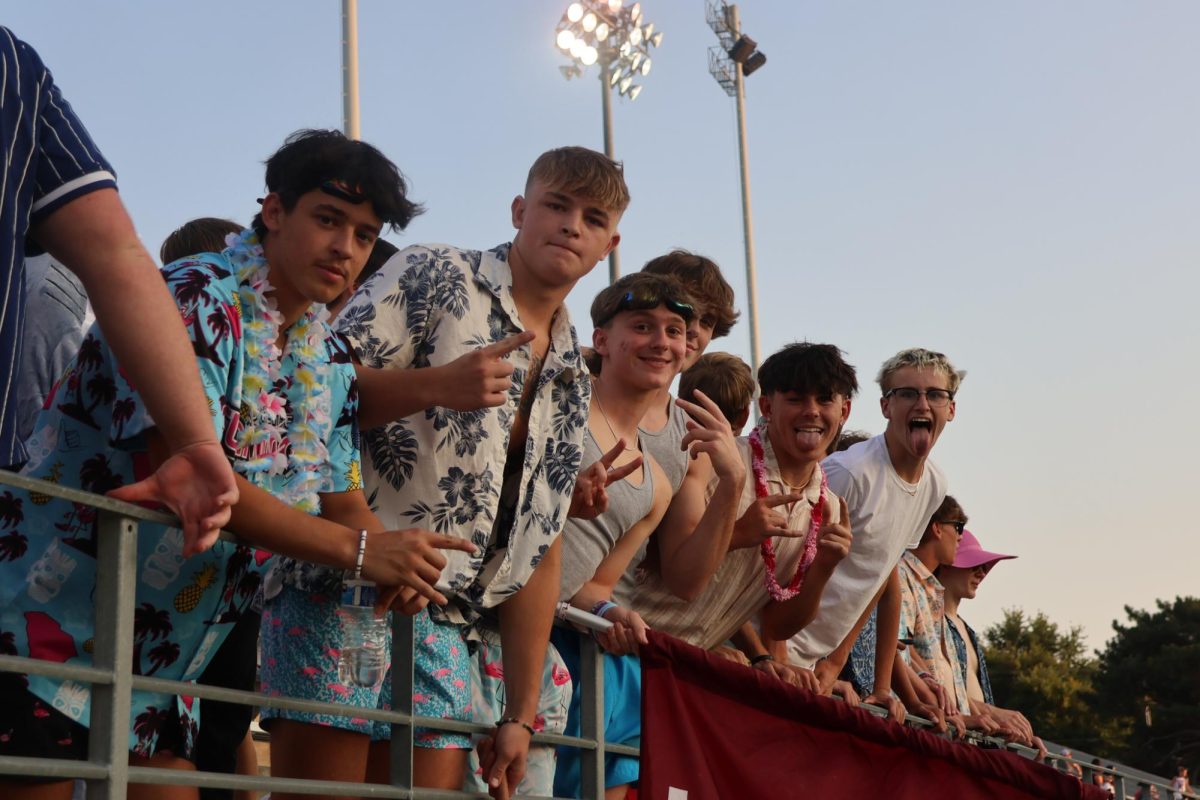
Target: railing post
591,717
116,574
401,750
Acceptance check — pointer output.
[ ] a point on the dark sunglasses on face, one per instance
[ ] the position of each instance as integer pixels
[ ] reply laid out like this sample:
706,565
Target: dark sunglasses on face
958,526
646,300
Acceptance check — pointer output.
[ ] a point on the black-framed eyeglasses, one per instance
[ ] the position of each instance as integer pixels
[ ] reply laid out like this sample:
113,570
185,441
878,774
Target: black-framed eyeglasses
937,398
646,300
958,525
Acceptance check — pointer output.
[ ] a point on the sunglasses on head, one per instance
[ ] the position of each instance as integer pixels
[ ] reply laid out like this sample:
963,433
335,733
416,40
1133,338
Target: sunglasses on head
645,300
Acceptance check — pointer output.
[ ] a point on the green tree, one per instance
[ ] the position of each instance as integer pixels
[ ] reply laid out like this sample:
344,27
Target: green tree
1150,673
1047,675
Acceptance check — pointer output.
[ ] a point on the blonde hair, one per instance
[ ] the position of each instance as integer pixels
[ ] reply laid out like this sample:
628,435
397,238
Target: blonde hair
920,358
583,172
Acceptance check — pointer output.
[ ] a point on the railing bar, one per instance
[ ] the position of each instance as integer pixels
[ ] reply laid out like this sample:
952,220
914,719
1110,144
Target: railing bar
51,767
35,666
400,747
116,572
591,719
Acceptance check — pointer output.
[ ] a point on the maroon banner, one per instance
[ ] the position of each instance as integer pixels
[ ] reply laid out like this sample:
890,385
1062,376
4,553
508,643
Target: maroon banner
715,730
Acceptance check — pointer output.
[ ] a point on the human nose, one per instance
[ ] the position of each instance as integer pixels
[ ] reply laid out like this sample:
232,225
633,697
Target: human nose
572,222
343,242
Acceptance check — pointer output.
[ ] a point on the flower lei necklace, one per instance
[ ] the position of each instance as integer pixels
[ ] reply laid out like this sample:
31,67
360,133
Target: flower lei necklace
767,548
274,382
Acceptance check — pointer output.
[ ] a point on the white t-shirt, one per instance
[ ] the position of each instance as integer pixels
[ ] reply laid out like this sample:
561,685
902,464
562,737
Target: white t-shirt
887,514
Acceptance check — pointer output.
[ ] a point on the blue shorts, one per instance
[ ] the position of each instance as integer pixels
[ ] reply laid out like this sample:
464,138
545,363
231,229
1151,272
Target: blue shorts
622,716
302,641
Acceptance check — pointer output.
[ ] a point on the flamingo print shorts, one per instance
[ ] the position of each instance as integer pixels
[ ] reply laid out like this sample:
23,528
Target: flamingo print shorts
301,643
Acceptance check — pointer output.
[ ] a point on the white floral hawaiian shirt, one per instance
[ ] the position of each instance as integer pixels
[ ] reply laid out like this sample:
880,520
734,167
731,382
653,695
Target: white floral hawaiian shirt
441,469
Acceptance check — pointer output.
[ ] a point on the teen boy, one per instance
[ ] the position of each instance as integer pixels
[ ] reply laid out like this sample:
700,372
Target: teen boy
891,490
282,399
501,476
640,338
795,520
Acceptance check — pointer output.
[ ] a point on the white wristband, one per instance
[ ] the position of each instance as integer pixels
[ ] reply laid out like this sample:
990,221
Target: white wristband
362,550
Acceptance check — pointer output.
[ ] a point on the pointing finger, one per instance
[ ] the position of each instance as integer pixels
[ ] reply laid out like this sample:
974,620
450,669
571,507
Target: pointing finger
505,346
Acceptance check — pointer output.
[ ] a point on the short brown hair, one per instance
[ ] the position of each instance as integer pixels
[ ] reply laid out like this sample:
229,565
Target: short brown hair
703,278
664,287
582,172
202,235
948,511
725,378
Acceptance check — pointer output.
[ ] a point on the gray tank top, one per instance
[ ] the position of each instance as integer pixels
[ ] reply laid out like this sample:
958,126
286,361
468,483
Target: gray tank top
664,445
586,542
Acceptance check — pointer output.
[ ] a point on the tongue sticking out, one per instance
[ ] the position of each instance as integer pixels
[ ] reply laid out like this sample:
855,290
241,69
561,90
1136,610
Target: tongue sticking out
808,440
920,437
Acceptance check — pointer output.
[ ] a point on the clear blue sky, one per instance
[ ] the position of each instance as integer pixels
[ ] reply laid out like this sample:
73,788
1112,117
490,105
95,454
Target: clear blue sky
1016,184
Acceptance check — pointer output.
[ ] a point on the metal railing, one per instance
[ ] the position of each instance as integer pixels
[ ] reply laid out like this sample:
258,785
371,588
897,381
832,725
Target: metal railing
107,772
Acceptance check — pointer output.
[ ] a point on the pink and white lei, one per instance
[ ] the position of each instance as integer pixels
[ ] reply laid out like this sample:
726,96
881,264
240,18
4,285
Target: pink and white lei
767,549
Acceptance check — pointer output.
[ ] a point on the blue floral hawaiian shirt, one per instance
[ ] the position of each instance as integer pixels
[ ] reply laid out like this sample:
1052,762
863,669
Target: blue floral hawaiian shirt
91,436
441,469
960,649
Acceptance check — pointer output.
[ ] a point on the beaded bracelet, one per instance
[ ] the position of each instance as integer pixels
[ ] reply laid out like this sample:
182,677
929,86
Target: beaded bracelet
500,723
362,550
758,659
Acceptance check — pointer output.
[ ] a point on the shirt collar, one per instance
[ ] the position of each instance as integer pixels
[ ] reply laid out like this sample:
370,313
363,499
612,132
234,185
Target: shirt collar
494,274
812,492
920,570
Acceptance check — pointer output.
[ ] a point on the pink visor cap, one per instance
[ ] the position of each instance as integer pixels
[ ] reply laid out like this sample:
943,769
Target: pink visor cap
971,555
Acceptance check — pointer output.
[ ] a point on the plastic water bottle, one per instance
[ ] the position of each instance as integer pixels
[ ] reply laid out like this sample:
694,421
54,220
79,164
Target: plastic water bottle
365,655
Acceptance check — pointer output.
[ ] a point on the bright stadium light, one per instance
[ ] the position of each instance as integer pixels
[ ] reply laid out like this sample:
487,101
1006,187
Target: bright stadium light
619,39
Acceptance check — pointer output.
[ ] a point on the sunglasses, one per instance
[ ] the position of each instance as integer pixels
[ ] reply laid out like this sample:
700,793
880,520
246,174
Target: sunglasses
958,526
646,300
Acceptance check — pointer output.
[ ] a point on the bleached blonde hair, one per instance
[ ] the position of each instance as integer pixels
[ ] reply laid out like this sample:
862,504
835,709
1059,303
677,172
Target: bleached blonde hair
920,358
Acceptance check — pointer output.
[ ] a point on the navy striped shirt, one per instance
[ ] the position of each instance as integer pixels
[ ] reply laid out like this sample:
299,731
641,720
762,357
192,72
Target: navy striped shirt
48,161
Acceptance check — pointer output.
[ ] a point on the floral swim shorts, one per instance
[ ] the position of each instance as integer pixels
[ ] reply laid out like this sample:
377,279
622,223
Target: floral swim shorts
301,645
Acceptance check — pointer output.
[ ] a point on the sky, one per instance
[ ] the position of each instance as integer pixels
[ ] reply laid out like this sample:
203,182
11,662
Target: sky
1015,184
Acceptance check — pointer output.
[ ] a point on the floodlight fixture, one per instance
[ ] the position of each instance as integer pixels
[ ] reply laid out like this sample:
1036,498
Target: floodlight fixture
634,92
624,85
753,63
742,49
608,33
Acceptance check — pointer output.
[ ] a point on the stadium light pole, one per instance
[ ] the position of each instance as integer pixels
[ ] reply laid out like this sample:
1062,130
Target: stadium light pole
350,125
618,38
735,57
